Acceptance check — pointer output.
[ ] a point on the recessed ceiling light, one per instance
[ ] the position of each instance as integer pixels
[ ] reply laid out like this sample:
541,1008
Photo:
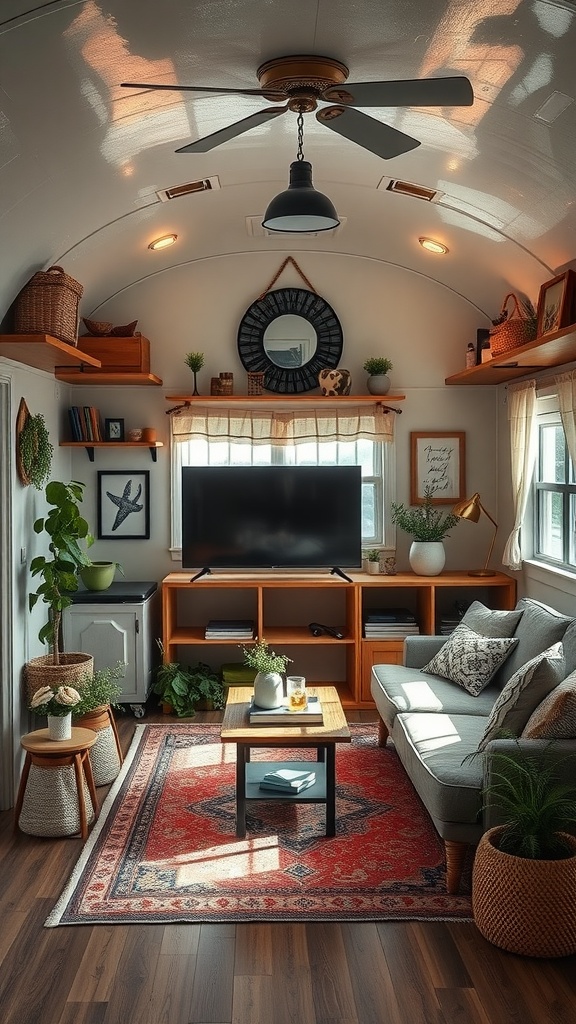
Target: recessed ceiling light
163,243
433,246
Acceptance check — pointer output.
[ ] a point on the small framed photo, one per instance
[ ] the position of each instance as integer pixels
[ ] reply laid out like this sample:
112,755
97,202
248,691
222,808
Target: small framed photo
556,304
123,498
437,466
113,430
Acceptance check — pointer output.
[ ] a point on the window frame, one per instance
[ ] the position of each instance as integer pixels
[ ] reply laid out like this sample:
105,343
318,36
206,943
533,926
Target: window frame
549,414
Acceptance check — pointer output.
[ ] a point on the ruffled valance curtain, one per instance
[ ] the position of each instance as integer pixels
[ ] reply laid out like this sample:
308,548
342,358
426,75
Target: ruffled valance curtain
266,426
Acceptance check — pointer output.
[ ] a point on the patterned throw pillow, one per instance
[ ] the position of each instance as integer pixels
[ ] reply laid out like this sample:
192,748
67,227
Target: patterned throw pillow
523,692
555,717
470,659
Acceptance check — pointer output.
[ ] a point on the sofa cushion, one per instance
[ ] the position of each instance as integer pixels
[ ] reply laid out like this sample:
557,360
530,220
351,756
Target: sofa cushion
469,659
539,628
555,717
569,645
523,693
397,688
490,622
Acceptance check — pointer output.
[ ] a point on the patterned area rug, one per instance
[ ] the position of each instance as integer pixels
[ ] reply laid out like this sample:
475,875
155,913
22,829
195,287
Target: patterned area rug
164,848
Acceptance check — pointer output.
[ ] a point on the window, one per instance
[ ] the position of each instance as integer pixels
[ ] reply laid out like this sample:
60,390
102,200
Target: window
554,492
375,458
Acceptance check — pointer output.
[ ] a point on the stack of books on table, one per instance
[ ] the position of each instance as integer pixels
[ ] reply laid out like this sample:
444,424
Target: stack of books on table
380,624
288,780
311,715
229,629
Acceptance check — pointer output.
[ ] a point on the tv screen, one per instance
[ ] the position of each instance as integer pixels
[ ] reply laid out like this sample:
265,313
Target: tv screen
262,517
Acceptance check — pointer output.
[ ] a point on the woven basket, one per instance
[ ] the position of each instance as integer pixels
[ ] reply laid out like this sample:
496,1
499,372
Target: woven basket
48,304
71,670
517,328
524,906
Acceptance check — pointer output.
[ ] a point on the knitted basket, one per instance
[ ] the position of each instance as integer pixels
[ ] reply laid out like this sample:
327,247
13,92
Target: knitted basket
524,906
71,670
516,328
48,304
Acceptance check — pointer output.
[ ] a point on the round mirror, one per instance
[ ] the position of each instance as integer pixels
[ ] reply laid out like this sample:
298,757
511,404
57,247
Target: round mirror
290,335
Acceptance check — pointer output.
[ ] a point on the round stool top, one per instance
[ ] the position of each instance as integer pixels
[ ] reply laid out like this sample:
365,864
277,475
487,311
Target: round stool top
39,742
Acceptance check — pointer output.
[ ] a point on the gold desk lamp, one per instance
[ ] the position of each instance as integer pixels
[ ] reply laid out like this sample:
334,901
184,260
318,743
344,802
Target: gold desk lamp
470,509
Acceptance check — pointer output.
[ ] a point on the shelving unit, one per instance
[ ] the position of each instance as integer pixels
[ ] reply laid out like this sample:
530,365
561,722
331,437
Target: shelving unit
282,605
553,350
44,352
91,445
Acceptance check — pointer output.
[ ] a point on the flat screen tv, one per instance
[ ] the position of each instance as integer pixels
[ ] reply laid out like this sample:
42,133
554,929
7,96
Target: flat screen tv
271,517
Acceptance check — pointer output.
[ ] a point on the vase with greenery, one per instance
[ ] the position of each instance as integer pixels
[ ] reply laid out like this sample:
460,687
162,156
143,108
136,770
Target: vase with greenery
195,362
268,683
34,451
428,525
524,875
378,368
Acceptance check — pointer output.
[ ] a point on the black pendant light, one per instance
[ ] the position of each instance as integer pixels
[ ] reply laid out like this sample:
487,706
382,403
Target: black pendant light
300,207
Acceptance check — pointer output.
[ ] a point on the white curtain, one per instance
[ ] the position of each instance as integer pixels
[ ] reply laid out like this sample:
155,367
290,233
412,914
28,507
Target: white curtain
567,400
264,426
523,440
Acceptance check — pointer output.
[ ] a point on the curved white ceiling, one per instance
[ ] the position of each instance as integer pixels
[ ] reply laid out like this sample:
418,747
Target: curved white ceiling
82,160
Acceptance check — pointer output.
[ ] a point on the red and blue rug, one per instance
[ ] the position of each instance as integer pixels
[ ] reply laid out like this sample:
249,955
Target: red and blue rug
164,848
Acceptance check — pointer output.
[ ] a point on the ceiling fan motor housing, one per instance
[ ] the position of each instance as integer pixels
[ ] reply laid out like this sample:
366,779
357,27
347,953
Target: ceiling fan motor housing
302,79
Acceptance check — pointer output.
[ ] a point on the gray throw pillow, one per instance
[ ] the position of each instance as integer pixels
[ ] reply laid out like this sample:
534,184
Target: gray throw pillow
555,717
523,692
470,659
490,622
539,628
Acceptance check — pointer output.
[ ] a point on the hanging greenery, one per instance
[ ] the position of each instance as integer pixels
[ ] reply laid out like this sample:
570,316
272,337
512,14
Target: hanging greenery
34,451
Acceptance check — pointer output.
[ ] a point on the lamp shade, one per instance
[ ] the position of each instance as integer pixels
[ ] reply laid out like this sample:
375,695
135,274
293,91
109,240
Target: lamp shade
300,207
469,508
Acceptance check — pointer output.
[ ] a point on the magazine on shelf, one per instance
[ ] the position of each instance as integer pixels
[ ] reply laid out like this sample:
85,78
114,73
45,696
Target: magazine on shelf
311,715
288,780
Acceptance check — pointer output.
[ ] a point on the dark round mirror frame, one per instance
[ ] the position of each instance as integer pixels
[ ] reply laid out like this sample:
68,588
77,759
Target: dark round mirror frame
281,302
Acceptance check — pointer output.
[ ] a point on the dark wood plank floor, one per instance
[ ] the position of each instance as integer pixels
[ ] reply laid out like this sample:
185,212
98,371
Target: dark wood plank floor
394,973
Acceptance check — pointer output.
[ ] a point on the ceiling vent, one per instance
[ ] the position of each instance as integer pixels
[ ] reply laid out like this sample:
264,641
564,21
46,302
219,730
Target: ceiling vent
254,229
553,107
177,191
409,188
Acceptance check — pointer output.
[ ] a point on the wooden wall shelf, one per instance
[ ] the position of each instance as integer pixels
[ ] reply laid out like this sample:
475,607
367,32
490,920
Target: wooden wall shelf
44,352
271,398
91,445
68,376
543,353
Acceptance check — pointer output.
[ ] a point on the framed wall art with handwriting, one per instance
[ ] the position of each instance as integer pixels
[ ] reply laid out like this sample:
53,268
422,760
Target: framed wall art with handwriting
437,466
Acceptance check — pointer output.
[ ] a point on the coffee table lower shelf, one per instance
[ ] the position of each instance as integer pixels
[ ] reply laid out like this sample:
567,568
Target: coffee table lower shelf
251,773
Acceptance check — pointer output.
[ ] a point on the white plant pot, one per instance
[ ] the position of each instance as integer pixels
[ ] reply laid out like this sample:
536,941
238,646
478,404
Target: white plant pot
427,557
60,727
268,689
373,568
379,384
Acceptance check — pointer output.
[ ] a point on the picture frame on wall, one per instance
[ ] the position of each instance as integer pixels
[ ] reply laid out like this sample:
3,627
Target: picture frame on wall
113,430
437,466
556,304
123,504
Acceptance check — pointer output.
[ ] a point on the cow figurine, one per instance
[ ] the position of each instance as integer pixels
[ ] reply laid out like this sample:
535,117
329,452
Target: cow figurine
335,382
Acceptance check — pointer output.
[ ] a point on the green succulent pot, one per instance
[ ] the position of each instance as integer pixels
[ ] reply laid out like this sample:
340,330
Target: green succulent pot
98,576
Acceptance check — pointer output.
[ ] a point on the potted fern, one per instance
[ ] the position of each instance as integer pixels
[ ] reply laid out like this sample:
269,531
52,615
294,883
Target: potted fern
524,875
428,525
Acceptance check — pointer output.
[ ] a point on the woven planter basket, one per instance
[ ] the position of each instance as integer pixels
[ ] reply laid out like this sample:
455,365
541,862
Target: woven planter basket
517,328
71,670
48,304
524,906
106,755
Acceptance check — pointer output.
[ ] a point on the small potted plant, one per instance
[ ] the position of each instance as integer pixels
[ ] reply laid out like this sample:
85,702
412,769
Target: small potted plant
372,557
378,368
268,683
184,690
98,695
100,575
57,702
428,525
195,362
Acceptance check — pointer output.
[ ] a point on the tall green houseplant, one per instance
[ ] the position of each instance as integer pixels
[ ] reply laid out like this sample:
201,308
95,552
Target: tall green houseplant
69,534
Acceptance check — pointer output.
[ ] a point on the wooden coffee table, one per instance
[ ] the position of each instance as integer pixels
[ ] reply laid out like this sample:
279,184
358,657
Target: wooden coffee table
236,729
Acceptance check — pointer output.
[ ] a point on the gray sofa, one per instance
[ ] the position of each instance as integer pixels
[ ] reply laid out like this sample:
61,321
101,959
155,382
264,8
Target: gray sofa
436,724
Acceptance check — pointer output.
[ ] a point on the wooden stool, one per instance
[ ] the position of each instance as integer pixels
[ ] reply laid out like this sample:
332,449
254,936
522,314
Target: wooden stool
56,782
106,755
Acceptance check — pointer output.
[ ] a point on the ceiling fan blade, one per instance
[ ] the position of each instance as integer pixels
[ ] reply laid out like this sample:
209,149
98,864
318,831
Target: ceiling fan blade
232,131
267,94
417,92
379,138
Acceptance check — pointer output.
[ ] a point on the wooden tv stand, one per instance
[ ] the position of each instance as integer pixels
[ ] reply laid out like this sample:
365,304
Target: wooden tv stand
283,603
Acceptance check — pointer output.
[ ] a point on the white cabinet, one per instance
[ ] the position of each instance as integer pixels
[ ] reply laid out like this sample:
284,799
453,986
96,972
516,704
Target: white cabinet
118,624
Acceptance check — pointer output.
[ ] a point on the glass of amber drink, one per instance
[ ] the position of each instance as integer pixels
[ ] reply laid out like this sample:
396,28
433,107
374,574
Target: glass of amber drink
296,693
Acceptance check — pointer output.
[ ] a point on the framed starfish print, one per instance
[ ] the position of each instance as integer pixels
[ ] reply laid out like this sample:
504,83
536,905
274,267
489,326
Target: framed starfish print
123,504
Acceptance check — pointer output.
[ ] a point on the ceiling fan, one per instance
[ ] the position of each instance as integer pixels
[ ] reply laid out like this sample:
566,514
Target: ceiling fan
305,81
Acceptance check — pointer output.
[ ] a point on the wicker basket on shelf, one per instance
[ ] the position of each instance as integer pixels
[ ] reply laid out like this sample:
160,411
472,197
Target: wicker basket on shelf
48,304
512,328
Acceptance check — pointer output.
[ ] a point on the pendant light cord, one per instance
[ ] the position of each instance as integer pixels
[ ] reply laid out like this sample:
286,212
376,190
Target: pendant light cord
300,124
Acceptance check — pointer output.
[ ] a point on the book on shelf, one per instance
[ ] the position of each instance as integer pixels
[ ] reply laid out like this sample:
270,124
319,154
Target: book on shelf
229,629
387,615
288,780
311,715
374,633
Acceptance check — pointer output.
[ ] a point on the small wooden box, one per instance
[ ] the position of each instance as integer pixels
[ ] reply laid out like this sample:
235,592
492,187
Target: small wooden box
118,355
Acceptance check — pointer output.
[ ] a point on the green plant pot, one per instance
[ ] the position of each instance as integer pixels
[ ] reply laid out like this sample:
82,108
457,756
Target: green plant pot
98,576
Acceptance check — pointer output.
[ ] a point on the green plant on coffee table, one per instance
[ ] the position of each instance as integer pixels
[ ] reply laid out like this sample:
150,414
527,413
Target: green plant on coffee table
99,690
261,658
425,522
55,701
377,365
35,450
